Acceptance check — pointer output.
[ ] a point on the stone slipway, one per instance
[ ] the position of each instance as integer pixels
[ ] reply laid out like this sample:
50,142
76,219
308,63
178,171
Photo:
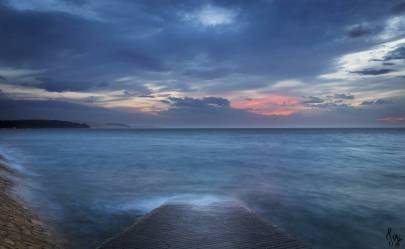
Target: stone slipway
213,226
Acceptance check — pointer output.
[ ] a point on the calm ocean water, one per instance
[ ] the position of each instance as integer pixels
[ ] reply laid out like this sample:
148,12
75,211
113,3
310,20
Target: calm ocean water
331,188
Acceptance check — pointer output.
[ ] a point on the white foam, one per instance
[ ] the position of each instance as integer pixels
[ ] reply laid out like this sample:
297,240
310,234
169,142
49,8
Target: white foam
9,158
147,205
23,186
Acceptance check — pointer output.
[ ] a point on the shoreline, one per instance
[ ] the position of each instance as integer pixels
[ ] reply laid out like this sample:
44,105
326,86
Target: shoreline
20,227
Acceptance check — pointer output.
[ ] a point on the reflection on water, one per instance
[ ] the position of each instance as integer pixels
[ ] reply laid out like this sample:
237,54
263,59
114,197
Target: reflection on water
330,188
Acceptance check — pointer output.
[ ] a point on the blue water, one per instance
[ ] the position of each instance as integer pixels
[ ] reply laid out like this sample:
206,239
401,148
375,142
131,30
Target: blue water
329,188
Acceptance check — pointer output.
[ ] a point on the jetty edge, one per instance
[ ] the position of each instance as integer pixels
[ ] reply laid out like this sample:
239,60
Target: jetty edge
213,227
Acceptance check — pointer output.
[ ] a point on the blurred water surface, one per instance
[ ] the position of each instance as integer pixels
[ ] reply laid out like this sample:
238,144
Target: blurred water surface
332,188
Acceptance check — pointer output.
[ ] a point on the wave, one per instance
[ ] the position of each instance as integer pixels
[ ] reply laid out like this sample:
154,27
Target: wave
11,169
5,166
9,162
147,204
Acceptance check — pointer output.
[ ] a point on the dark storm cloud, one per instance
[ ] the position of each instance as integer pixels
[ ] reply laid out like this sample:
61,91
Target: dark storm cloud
367,102
135,90
207,102
130,94
335,101
373,71
2,78
69,48
146,96
333,105
343,96
375,102
33,37
398,8
266,38
208,112
136,59
164,43
208,74
313,100
52,85
102,84
77,2
359,31
396,54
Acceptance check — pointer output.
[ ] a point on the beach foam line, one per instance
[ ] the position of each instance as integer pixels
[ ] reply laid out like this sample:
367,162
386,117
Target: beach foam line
22,228
197,200
8,160
5,167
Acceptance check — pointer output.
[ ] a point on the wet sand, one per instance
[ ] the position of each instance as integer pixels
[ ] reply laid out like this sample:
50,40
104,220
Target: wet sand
20,228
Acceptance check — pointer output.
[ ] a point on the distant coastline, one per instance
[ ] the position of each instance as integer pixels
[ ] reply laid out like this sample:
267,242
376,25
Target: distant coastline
39,124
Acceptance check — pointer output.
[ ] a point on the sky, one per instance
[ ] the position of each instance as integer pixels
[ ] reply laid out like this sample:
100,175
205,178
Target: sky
161,63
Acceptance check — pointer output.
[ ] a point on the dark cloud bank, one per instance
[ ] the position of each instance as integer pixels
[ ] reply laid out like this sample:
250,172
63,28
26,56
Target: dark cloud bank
153,41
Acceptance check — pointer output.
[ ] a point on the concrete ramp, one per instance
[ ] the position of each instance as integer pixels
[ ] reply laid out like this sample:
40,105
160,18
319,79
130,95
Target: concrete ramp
214,226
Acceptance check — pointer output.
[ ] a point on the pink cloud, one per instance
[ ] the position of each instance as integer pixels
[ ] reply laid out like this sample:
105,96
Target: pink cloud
393,119
271,105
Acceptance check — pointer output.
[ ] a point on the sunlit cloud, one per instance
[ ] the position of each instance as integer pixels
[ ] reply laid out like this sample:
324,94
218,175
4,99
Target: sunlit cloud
288,84
28,92
212,16
394,28
367,63
12,73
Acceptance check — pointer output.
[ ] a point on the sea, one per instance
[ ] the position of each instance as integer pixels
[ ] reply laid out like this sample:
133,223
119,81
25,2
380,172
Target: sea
331,188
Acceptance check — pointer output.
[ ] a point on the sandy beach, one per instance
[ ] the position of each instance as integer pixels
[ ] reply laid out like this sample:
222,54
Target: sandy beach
20,228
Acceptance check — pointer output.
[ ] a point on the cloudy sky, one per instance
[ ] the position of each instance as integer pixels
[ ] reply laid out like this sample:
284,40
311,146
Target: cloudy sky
261,63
